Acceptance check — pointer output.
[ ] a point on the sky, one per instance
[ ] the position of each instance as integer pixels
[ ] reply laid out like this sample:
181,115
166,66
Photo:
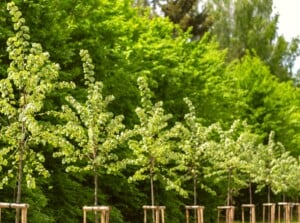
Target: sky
289,18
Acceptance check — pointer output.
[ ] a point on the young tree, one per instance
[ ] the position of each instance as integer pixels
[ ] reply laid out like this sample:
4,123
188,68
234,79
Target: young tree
151,145
94,131
266,160
194,140
248,143
31,77
285,174
228,159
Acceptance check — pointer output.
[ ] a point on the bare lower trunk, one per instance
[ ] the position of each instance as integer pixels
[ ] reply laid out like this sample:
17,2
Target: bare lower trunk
152,186
195,194
19,185
96,186
96,194
250,193
22,147
229,195
195,189
269,194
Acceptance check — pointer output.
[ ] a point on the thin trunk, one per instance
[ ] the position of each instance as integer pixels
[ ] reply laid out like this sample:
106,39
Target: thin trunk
96,189
269,194
151,180
22,147
229,188
19,186
250,192
152,186
195,194
195,188
269,201
95,185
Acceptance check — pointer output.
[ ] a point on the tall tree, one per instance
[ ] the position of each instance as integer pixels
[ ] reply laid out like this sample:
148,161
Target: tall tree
187,14
266,103
244,25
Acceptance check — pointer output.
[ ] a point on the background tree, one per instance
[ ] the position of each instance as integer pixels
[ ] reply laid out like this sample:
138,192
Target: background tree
187,14
243,25
266,103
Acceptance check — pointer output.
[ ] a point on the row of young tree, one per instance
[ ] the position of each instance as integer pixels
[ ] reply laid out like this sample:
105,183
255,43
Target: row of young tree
62,139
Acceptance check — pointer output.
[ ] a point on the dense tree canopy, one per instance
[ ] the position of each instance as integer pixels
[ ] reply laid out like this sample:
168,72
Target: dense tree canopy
42,114
250,26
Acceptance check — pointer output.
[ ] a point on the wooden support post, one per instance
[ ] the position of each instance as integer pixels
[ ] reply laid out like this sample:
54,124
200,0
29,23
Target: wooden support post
287,210
229,213
270,211
159,213
104,210
298,211
297,206
251,212
199,213
23,208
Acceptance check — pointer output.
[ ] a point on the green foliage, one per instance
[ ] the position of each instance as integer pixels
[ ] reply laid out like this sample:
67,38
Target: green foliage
228,159
273,167
265,102
242,26
91,126
125,43
93,131
31,76
151,147
194,140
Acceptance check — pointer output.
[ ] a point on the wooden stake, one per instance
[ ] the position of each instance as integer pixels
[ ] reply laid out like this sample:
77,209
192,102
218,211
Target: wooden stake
199,213
104,210
159,211
18,206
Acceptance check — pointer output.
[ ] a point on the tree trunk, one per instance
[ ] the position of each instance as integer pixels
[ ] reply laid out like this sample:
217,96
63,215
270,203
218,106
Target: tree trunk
195,194
22,145
229,188
269,194
95,185
250,193
96,194
152,186
195,188
151,180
